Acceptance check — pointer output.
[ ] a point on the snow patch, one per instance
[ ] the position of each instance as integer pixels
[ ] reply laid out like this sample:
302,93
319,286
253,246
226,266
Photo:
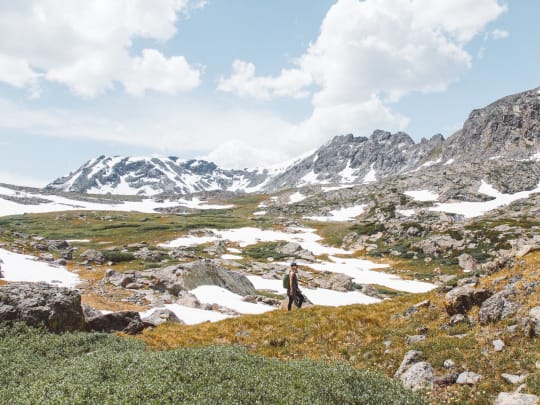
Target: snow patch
258,213
212,294
470,209
371,176
341,215
406,213
18,267
296,197
449,161
422,195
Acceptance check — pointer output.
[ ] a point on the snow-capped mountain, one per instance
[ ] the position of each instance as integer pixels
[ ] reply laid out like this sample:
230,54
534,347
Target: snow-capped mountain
149,176
505,133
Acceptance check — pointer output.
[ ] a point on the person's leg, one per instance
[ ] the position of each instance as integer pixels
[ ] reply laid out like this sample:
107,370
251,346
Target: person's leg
291,299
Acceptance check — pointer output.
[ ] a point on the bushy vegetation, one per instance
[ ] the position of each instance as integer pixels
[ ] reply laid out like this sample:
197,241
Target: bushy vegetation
39,367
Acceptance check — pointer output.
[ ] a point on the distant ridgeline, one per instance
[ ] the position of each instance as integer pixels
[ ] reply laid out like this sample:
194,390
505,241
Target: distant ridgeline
500,142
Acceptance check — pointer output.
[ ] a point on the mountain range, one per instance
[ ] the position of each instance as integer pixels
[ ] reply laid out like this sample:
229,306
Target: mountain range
501,140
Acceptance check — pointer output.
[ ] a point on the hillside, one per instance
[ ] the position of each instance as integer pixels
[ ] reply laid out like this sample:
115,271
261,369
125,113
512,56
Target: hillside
418,261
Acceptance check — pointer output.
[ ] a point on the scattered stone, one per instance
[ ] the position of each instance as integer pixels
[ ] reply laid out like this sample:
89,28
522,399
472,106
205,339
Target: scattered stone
411,357
448,363
513,379
514,398
468,378
93,256
418,376
498,345
415,339
534,322
447,379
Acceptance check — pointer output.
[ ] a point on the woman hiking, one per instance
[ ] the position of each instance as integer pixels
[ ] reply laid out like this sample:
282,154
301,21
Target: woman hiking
293,291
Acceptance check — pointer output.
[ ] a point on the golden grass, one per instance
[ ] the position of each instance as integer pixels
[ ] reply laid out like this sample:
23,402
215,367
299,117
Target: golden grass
356,333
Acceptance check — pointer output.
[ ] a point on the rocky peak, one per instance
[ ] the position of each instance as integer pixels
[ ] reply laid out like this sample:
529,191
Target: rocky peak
508,128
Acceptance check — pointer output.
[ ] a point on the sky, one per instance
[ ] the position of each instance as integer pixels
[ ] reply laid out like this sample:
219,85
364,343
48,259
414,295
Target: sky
245,83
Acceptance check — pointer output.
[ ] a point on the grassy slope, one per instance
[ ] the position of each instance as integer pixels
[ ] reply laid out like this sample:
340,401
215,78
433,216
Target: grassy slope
356,334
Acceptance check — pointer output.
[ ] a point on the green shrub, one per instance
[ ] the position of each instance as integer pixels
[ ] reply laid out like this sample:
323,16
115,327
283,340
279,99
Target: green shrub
83,368
116,256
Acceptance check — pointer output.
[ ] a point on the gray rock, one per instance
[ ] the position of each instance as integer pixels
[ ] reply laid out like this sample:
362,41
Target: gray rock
534,321
415,339
40,304
148,255
460,299
161,315
467,262
411,357
513,379
498,345
514,398
468,378
496,307
89,312
448,363
123,321
418,376
93,256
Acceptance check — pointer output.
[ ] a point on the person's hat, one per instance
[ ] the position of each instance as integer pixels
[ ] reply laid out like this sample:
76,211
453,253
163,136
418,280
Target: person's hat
293,264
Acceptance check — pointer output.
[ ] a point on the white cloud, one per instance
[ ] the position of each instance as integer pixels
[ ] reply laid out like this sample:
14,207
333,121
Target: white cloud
86,45
153,71
243,83
369,54
499,34
14,178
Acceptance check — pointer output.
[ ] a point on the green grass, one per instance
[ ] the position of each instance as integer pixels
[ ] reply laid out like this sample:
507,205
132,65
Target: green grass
88,368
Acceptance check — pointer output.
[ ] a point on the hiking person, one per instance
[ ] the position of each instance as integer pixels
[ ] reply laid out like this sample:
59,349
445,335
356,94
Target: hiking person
293,292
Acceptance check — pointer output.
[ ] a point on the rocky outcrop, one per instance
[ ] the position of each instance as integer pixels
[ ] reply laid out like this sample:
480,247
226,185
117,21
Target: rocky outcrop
40,304
183,277
124,321
497,306
460,299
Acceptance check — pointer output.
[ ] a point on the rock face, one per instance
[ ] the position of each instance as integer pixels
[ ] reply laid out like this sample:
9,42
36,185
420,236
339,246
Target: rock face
509,127
534,321
40,304
419,376
161,315
496,307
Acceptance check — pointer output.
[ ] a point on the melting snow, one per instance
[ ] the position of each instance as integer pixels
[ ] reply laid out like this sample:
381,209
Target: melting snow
296,197
422,195
347,174
449,161
371,176
18,267
258,213
341,215
212,294
470,209
406,213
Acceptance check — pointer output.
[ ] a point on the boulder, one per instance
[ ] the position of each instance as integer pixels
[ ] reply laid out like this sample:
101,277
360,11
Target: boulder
161,315
468,378
411,357
467,262
124,321
148,255
338,282
534,322
189,276
496,307
515,398
460,299
418,376
513,379
93,256
40,304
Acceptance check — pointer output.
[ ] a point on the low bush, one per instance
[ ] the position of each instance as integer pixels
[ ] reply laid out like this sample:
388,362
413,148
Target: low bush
38,367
